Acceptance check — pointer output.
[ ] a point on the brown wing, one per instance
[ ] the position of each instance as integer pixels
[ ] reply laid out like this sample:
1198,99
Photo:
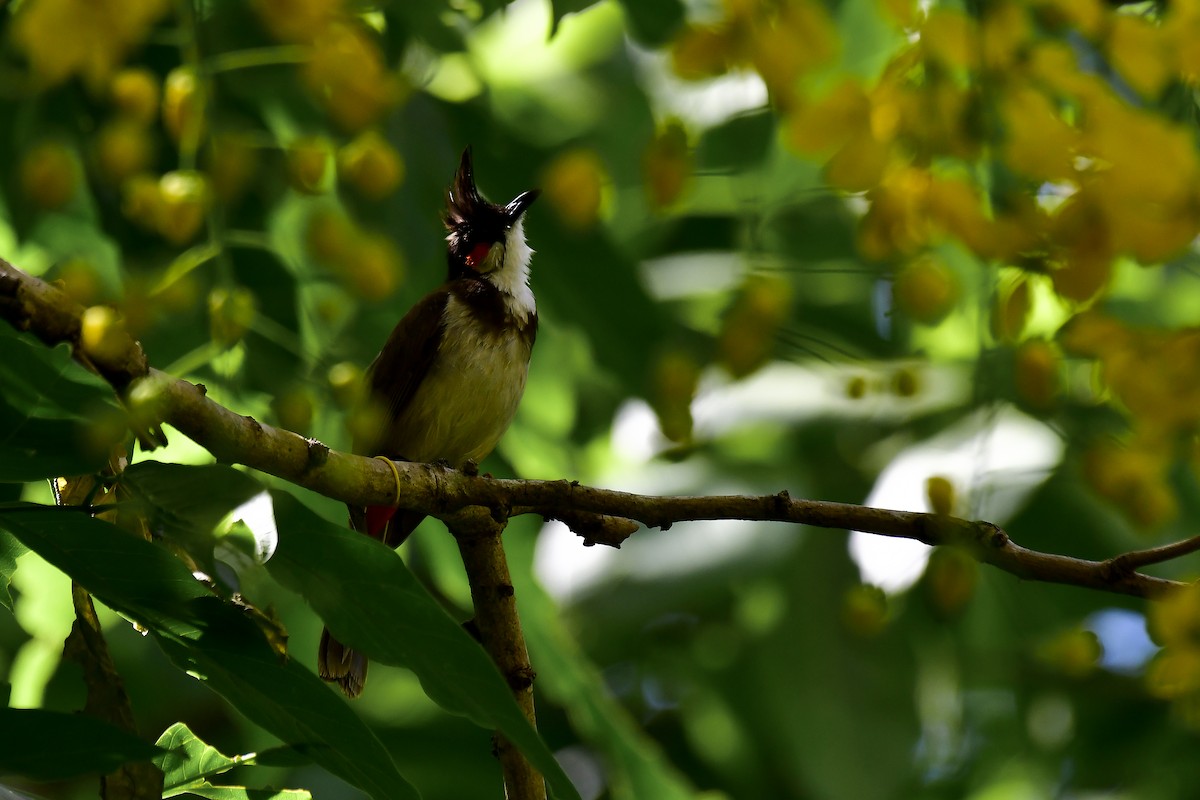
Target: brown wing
405,359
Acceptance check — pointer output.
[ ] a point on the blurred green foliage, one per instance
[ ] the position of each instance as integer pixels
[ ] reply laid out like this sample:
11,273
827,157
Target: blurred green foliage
933,255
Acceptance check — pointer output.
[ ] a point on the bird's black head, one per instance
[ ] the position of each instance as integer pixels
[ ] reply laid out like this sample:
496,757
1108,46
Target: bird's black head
480,233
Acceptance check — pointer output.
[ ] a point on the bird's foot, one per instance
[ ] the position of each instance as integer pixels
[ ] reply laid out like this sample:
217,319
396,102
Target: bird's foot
470,467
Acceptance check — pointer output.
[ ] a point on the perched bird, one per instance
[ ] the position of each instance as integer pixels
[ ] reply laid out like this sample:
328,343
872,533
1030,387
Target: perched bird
452,373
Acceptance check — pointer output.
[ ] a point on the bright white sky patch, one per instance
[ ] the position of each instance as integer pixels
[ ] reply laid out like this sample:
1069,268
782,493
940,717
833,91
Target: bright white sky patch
995,458
259,515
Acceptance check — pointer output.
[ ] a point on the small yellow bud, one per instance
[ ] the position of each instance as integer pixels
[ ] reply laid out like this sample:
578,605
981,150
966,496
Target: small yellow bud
371,165
102,334
940,493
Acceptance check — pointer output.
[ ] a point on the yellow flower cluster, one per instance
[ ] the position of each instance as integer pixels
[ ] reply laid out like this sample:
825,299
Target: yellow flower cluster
780,40
1155,376
88,38
1174,674
986,129
346,72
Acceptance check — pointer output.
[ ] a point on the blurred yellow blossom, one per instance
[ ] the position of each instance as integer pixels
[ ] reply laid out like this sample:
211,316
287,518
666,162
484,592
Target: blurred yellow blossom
781,40
134,92
951,38
749,329
1036,374
574,184
1086,16
673,385
1011,310
48,175
1004,32
1141,52
347,74
183,105
926,289
88,38
371,165
1037,141
297,20
667,165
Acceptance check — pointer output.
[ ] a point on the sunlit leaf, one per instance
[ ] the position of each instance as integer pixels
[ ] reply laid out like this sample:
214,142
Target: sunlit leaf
189,761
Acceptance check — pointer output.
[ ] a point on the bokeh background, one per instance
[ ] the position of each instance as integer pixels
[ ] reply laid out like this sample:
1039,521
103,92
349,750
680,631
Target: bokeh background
922,255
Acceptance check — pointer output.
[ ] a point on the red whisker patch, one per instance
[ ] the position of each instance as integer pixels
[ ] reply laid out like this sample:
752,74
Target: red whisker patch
478,254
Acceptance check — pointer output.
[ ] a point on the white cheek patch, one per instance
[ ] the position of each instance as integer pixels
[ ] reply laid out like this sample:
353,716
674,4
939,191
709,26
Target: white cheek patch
512,276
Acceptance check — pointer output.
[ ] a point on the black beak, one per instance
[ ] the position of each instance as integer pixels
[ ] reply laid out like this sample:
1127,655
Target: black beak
516,208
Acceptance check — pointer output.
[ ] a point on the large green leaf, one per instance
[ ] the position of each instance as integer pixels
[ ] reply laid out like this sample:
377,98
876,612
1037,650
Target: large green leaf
46,380
50,745
186,503
343,574
46,403
211,639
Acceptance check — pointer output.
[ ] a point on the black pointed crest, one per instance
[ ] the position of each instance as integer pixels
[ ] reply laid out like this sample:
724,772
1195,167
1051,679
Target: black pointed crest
463,200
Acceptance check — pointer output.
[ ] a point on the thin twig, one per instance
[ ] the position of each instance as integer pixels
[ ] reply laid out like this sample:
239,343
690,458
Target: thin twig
1130,562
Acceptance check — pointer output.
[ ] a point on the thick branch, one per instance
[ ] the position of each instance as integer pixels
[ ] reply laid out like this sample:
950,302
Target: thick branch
499,627
30,304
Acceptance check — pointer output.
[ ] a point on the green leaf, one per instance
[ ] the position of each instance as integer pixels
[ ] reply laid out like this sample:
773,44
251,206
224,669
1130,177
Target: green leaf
187,503
242,793
46,381
190,761
32,448
345,575
653,22
10,551
739,143
213,640
50,745
46,403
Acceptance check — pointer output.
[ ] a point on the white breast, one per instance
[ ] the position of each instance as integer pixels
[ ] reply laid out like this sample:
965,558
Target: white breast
470,395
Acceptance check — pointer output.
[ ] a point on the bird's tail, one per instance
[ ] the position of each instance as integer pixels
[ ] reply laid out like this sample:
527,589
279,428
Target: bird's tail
335,662
341,665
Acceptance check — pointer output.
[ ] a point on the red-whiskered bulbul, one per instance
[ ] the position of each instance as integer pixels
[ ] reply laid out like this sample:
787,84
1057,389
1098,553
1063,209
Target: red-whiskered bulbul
453,370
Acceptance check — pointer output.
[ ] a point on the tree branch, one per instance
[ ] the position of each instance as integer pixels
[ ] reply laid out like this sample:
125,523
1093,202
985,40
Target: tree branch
600,516
478,535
